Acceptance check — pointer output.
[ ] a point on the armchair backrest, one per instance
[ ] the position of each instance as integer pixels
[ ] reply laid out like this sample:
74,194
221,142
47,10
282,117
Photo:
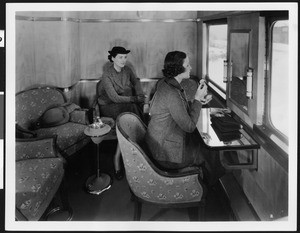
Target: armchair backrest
31,103
98,88
146,181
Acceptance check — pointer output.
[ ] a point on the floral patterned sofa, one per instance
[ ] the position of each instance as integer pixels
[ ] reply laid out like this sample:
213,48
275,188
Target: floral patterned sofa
31,105
39,174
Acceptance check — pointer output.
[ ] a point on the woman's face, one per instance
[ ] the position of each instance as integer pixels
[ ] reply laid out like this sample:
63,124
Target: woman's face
187,67
120,60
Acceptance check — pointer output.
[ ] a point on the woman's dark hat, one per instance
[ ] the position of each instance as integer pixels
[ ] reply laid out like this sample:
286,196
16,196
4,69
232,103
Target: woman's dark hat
118,50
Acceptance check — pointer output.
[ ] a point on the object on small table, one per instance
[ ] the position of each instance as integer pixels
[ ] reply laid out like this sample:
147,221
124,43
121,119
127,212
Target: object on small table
100,182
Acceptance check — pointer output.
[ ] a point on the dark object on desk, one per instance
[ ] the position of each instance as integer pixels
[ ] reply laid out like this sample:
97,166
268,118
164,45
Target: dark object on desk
226,127
227,136
226,123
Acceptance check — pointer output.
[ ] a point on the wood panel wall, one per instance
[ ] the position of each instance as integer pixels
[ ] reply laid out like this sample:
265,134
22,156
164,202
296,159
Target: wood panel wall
266,188
25,59
61,53
149,43
47,53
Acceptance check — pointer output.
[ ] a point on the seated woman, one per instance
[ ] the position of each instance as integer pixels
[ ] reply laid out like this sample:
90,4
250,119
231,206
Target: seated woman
119,91
171,136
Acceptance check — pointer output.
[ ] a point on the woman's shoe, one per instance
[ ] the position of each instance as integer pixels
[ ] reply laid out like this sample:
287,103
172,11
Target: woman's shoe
119,174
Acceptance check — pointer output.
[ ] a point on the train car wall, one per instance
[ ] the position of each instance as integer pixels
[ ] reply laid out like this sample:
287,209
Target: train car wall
46,50
266,188
62,48
73,54
253,23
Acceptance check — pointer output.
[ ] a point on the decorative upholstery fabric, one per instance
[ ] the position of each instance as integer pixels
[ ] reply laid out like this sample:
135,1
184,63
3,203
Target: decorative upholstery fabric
32,103
35,149
68,135
142,176
39,173
79,116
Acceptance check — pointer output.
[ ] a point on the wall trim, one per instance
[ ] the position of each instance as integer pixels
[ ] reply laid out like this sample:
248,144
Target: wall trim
28,18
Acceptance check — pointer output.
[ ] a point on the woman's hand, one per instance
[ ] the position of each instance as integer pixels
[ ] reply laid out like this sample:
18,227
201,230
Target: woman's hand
206,99
201,91
138,99
141,98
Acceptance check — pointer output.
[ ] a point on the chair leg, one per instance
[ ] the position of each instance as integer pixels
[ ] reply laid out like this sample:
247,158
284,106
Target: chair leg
63,193
202,210
65,200
117,158
132,197
137,210
193,213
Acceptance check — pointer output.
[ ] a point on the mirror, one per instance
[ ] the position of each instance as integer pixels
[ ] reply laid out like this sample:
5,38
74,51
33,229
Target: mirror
239,62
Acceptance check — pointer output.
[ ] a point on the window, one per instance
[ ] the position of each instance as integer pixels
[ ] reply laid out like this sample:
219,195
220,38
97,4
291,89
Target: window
278,111
217,53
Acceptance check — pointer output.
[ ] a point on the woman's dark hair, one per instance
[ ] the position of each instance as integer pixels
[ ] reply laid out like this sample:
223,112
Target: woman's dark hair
173,64
110,57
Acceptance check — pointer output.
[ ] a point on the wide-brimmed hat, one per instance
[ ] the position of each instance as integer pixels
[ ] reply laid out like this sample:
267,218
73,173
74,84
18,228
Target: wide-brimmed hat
118,50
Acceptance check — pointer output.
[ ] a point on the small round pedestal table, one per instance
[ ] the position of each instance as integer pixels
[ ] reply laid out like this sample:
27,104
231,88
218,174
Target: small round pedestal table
99,182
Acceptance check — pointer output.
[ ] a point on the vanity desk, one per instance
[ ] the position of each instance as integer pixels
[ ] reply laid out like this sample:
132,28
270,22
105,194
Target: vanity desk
212,142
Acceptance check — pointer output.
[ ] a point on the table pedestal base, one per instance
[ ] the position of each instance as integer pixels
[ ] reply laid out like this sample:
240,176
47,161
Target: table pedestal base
98,184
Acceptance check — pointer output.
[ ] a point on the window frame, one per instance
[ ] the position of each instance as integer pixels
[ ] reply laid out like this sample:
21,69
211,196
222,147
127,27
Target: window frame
267,122
218,90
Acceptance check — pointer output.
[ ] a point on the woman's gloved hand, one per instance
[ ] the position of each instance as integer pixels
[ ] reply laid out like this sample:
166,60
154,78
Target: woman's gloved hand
141,98
138,99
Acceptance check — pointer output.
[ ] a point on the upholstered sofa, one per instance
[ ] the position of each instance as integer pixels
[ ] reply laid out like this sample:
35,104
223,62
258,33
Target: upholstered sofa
39,174
31,106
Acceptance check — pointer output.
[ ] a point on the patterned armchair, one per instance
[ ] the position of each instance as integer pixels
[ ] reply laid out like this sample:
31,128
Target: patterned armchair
31,105
39,174
148,183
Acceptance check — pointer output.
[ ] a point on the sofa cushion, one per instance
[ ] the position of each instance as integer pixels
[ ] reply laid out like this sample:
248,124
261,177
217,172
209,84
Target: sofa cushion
68,134
36,148
37,181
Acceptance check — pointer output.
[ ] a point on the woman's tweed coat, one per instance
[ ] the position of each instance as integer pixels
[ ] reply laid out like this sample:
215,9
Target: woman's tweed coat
171,131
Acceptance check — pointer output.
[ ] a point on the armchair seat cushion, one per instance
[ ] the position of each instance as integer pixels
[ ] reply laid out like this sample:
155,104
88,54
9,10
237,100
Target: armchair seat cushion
70,136
37,181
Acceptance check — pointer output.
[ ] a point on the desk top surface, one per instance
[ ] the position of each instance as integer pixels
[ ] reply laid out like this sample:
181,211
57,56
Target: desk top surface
211,139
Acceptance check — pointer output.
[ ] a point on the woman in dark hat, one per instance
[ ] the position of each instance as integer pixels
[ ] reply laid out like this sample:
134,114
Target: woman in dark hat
172,135
119,91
